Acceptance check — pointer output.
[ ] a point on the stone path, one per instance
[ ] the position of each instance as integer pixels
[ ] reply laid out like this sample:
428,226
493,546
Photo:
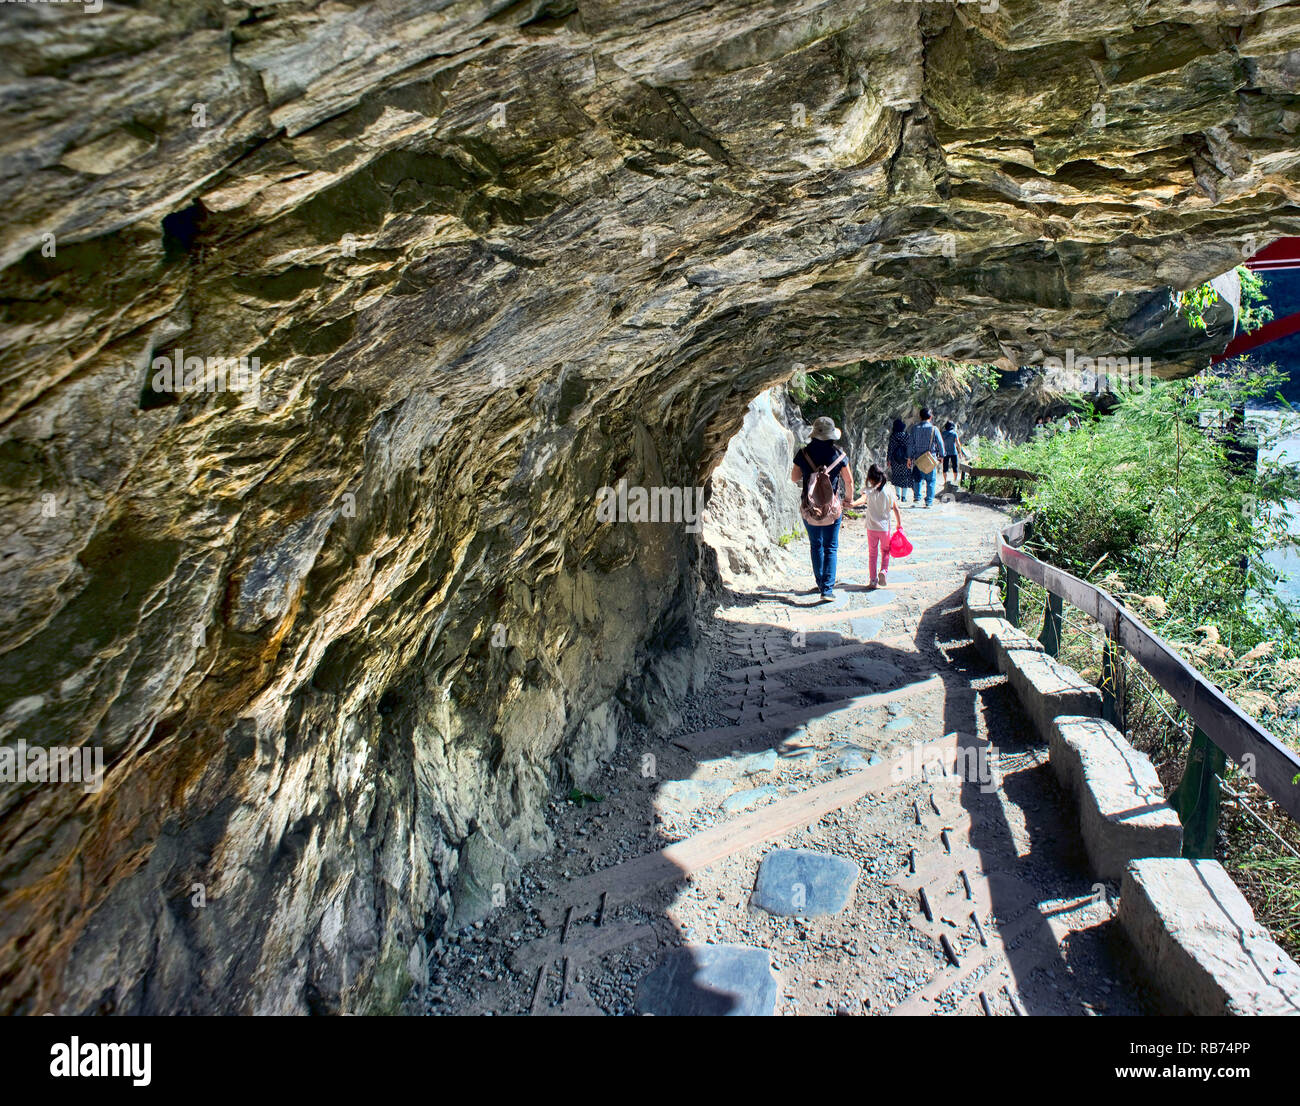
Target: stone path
857,820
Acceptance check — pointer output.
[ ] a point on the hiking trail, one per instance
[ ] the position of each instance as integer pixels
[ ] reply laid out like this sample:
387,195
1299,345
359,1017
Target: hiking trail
805,843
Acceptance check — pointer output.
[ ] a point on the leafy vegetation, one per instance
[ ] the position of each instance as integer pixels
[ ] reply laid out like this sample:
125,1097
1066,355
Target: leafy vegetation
582,798
1255,311
827,389
1158,504
1156,496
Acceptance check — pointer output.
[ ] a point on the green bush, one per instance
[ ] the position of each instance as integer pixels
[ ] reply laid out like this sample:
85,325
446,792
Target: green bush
790,536
1254,313
1147,502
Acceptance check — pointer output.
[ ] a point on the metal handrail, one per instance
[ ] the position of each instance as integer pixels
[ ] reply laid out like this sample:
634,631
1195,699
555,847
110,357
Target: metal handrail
1272,766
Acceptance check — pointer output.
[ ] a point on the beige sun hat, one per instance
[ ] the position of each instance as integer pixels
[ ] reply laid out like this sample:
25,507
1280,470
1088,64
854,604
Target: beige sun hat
824,429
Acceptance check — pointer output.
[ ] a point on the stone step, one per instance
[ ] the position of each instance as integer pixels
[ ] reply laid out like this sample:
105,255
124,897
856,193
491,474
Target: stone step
590,943
1036,945
807,620
816,656
804,883
710,981
787,719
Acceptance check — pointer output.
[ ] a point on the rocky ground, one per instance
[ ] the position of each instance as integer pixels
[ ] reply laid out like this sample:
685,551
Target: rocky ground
1012,839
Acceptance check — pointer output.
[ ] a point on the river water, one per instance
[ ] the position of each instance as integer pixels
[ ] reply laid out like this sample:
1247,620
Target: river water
1286,449
1283,291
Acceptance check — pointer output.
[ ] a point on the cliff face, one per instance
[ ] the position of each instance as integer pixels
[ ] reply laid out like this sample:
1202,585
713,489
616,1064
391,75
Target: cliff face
752,501
339,617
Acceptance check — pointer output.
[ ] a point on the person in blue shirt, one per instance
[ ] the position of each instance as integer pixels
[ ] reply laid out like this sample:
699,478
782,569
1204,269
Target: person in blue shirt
924,439
953,451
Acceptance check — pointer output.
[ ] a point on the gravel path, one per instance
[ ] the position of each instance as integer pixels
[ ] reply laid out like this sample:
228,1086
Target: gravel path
1014,924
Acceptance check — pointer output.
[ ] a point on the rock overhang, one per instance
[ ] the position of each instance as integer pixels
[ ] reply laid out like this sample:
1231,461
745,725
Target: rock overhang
490,262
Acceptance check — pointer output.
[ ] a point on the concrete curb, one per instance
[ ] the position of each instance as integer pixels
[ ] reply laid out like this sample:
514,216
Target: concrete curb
1195,936
1198,942
1048,689
982,597
1122,810
1045,687
995,638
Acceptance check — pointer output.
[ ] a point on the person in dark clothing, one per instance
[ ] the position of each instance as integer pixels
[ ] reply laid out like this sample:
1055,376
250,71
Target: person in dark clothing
953,451
900,474
824,540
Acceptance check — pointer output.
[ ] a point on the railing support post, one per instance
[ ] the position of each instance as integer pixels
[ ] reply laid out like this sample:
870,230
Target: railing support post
1196,798
1013,597
1053,617
1112,683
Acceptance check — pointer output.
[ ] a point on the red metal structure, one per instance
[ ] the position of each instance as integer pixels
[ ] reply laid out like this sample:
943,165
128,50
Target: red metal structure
1282,254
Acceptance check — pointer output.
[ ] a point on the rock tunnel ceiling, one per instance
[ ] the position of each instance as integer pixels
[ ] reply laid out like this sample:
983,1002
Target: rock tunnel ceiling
339,625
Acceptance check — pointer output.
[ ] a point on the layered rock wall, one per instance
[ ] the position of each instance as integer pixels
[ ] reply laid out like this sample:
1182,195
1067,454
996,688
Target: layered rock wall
753,504
340,619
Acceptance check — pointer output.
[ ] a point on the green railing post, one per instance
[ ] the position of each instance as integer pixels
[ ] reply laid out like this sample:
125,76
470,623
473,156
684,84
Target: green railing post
1013,597
1112,689
1053,617
1196,798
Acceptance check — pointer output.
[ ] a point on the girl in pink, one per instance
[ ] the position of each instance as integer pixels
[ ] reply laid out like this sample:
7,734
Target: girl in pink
879,500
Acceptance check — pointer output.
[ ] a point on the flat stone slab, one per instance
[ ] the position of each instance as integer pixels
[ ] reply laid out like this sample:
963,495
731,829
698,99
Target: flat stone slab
864,629
1048,689
852,758
688,794
1122,810
743,800
710,981
1198,943
804,883
753,764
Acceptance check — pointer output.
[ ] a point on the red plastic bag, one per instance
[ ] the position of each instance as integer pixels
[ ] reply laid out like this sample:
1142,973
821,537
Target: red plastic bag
899,546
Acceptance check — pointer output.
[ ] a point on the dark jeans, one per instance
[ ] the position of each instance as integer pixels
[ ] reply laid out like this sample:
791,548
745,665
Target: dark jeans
927,478
824,541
